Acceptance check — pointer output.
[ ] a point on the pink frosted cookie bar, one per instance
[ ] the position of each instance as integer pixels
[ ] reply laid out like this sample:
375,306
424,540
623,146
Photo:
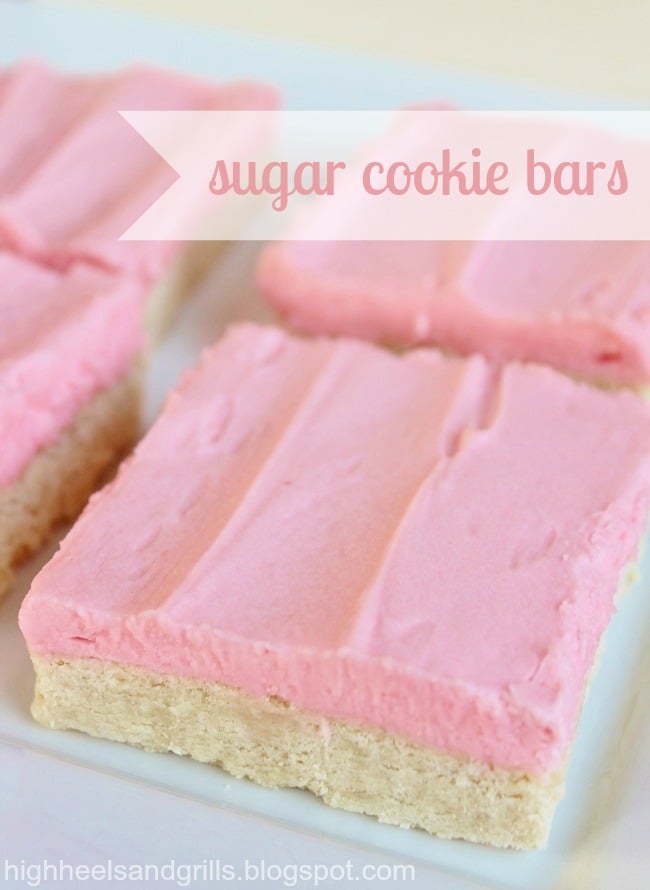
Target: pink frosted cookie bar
69,393
582,307
380,578
74,175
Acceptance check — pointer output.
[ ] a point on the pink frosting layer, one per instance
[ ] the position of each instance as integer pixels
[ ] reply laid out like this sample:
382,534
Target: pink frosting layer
583,307
425,544
63,338
74,175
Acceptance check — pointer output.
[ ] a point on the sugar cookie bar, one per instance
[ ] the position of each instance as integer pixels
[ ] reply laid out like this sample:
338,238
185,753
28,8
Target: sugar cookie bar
381,578
74,175
581,307
70,354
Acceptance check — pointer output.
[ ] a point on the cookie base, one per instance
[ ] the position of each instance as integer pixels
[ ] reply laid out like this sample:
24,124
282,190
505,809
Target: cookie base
58,482
352,767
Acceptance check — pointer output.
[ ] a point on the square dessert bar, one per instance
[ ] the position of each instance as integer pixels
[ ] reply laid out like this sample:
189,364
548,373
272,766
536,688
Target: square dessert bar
582,307
74,175
70,347
380,578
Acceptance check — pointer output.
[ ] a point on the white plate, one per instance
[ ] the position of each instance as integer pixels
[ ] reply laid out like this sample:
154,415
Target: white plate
48,778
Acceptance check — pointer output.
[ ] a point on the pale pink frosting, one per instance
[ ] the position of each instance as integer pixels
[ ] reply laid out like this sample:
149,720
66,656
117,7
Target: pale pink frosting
424,544
63,338
583,307
74,175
